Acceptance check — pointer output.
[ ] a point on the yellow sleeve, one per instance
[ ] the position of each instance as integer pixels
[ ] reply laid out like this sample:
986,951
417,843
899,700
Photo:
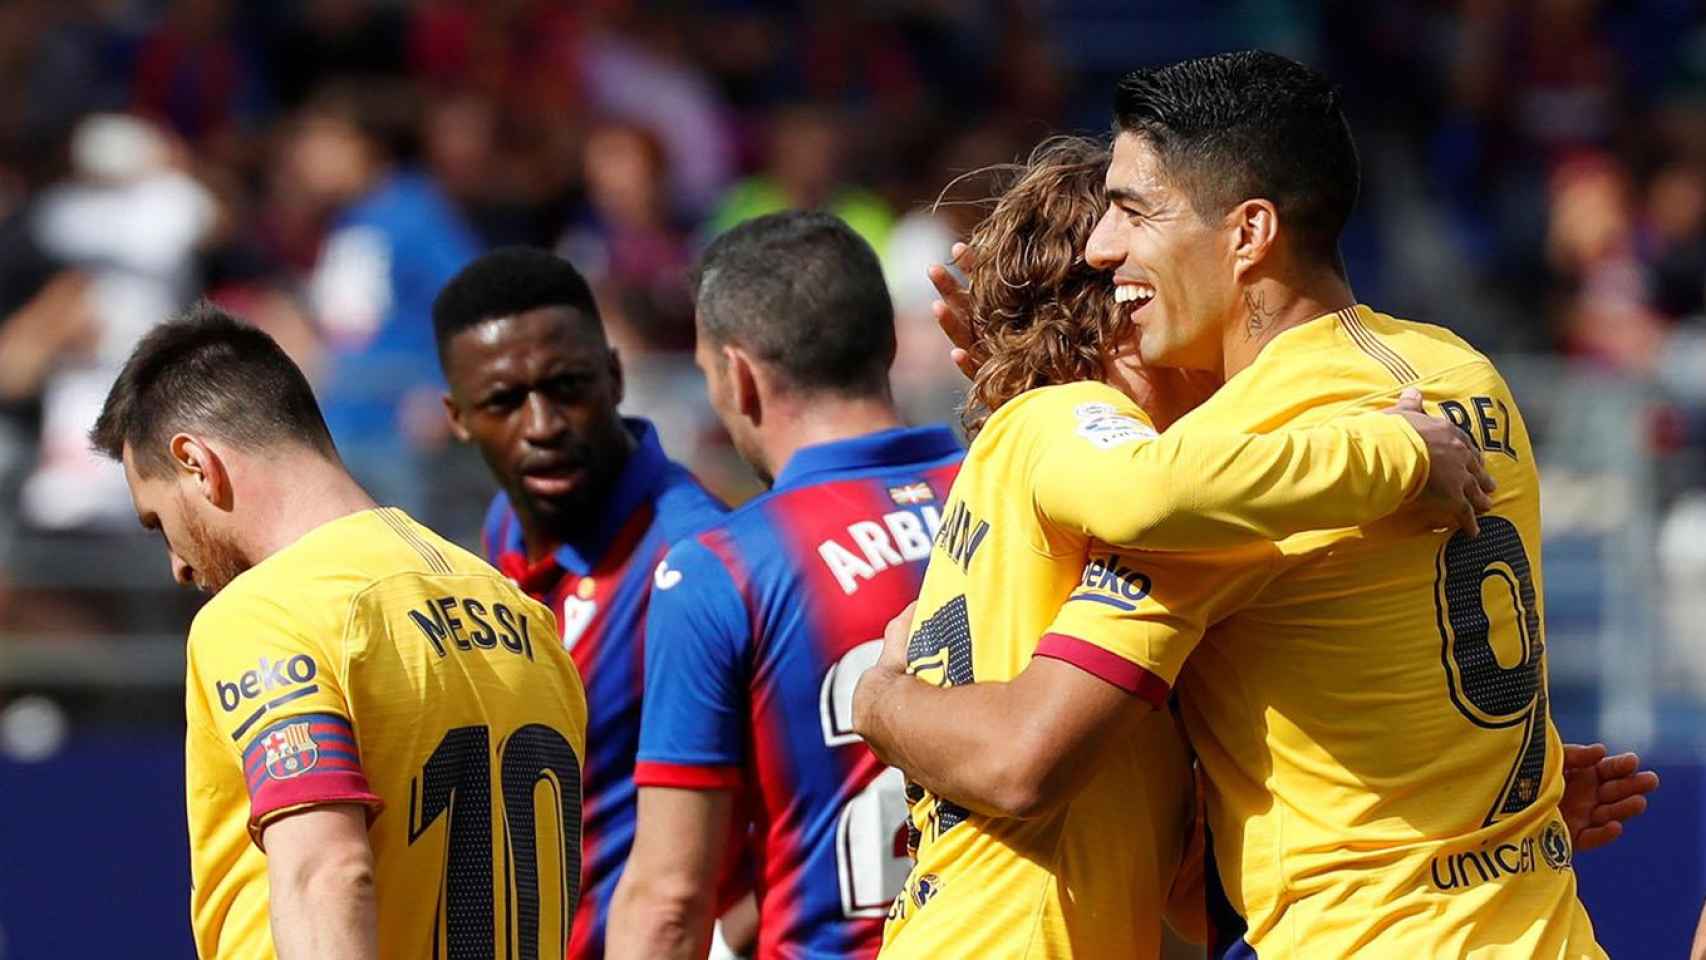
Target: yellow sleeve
1101,471
277,707
1136,615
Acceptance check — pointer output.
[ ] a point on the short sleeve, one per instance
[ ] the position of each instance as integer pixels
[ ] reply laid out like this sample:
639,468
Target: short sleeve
1100,470
272,697
693,727
1135,616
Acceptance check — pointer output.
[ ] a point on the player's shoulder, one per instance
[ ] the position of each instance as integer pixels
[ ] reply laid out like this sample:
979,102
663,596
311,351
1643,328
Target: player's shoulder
1420,350
683,505
1089,409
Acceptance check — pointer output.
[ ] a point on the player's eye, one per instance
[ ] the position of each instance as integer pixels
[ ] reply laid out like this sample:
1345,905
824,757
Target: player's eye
502,401
568,384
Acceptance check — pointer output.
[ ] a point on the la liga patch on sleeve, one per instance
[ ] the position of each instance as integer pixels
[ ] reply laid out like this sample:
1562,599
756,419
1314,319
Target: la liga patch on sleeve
1107,428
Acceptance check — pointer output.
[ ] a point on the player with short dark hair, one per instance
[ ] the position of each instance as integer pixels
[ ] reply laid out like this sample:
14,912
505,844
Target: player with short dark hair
745,297
766,618
349,660
1381,782
589,502
208,369
760,624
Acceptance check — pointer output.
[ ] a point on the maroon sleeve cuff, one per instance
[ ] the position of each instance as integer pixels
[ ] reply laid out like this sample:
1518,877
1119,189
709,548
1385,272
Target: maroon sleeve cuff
1105,665
686,776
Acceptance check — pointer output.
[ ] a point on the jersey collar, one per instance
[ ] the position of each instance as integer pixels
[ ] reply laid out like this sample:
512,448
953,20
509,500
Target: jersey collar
885,448
636,486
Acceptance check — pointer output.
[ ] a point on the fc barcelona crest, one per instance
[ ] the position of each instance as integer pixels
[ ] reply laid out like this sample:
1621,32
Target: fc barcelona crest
290,751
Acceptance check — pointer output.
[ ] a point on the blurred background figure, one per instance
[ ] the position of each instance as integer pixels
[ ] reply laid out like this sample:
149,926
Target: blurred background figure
395,238
1534,178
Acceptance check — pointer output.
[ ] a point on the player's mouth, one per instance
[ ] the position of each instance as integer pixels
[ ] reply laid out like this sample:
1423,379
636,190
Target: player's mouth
552,480
1137,295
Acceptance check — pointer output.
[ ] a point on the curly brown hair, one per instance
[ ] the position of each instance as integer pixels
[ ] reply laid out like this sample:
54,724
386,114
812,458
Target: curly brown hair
1040,314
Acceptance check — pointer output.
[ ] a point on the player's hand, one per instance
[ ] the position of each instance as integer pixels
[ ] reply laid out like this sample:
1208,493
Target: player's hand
895,637
952,309
1601,793
1459,486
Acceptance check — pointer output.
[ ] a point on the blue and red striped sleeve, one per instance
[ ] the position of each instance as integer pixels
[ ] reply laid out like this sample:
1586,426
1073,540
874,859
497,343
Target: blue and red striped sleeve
694,711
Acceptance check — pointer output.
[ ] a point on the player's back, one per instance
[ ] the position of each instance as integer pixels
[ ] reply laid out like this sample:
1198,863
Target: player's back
1385,775
374,662
1089,878
805,578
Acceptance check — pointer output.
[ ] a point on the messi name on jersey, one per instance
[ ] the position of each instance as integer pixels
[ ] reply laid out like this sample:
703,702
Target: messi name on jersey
486,628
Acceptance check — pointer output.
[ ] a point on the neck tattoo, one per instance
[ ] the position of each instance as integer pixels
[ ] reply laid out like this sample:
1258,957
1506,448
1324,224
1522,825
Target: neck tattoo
1260,316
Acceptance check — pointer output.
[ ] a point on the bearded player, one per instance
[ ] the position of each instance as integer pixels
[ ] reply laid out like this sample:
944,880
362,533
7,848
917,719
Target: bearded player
760,626
1381,783
384,743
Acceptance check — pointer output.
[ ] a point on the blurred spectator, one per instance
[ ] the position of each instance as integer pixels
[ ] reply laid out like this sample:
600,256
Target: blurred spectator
321,41
807,147
1605,312
642,75
192,76
630,242
132,220
395,239
1675,241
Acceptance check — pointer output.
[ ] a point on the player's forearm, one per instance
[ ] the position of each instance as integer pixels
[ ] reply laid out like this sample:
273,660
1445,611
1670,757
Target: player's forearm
965,743
654,918
1197,491
1699,951
325,910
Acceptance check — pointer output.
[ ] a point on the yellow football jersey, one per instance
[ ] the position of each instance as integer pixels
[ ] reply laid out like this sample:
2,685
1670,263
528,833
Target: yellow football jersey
1369,704
374,662
1013,561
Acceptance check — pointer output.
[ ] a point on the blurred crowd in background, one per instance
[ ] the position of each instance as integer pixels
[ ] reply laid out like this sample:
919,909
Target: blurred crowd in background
1534,178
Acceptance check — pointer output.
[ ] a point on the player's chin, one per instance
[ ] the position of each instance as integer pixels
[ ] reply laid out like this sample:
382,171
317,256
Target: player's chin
557,506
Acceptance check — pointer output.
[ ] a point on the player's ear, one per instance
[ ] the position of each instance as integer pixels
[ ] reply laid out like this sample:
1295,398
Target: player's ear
618,386
201,466
743,384
453,414
1255,227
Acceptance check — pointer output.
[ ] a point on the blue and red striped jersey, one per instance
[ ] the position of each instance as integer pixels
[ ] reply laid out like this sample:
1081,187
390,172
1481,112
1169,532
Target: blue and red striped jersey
599,587
759,629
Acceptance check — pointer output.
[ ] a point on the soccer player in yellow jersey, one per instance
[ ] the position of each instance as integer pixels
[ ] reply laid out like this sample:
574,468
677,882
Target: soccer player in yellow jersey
1368,703
1052,885
384,737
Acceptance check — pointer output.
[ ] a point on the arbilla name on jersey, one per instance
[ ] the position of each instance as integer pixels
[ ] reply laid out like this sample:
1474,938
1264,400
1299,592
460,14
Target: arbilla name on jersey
1463,869
868,547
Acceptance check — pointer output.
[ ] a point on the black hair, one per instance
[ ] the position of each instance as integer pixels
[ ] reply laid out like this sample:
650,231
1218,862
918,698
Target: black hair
505,282
806,295
1236,126
210,372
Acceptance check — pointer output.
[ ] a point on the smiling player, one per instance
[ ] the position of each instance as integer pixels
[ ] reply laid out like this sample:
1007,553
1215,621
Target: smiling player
1381,781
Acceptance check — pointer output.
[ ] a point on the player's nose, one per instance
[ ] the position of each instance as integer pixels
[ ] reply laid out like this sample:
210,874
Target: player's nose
1103,251
182,572
543,421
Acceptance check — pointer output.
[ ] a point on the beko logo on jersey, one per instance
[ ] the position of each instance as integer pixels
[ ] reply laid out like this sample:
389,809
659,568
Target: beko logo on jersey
901,537
1470,868
1107,580
269,675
